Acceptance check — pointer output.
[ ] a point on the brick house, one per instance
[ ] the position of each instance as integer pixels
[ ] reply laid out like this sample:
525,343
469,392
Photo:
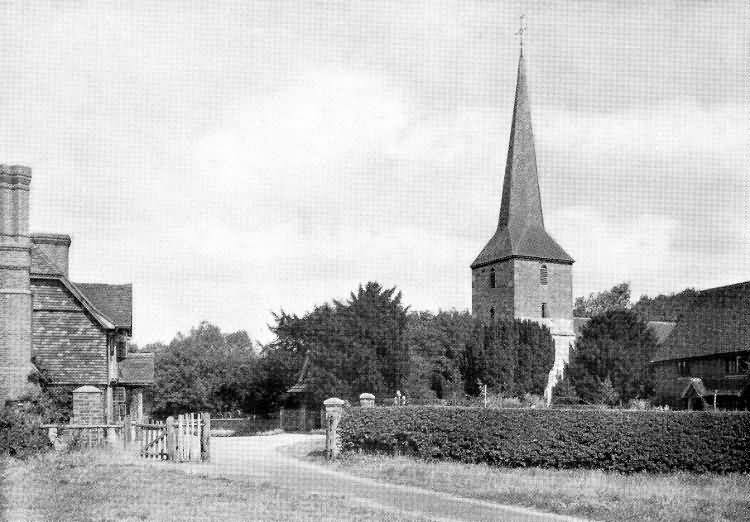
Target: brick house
77,332
522,272
706,359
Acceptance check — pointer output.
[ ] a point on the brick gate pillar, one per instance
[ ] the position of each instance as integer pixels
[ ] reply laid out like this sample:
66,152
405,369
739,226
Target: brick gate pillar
88,406
334,409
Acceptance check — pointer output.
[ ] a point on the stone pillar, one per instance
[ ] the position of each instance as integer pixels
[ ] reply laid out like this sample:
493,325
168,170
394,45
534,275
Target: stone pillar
367,400
88,406
334,409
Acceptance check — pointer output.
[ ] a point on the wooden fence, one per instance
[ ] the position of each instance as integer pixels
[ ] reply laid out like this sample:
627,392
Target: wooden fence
182,439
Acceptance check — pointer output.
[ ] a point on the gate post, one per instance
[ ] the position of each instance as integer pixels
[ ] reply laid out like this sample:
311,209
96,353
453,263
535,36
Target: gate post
206,437
171,439
334,410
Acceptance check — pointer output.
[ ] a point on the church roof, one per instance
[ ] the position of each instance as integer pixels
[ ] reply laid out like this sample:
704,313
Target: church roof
718,322
520,230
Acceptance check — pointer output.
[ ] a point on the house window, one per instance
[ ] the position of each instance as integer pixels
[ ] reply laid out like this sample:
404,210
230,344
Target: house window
543,275
492,278
544,309
683,368
119,403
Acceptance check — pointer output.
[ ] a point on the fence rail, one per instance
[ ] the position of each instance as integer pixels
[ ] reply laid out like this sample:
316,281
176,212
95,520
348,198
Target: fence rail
185,438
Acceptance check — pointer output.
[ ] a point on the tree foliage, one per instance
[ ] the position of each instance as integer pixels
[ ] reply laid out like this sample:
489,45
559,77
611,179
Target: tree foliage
353,347
616,298
435,343
663,307
204,370
511,357
613,351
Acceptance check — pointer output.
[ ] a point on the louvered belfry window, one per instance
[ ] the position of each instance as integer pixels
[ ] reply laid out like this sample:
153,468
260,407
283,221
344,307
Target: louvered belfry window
492,278
543,275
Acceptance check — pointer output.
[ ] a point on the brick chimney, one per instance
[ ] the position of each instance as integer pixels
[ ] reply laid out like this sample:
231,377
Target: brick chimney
15,285
55,247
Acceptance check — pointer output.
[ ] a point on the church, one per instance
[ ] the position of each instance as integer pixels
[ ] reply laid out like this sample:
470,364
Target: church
522,272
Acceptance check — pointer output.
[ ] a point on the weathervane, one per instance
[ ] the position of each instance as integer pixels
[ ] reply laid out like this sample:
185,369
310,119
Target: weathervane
521,29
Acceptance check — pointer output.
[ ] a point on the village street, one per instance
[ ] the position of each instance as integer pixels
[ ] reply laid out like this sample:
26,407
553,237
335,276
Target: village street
266,458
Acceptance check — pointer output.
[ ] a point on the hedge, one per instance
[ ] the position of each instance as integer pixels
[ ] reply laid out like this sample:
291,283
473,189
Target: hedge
625,441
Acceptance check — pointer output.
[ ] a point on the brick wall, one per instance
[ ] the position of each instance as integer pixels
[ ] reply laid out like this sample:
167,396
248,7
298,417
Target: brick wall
88,405
15,296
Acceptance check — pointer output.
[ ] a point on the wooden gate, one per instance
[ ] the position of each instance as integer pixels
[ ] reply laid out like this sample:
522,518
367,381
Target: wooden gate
184,439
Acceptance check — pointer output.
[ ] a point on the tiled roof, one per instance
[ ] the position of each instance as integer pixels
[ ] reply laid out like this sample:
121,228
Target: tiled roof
137,368
717,322
114,301
520,231
660,329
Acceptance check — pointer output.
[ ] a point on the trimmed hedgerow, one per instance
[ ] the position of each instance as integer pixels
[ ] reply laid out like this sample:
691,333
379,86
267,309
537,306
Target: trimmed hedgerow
625,441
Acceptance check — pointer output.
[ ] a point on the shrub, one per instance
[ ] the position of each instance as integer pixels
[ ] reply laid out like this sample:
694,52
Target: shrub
20,432
619,440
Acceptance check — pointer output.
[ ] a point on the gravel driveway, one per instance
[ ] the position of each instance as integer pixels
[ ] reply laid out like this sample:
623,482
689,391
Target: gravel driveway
262,458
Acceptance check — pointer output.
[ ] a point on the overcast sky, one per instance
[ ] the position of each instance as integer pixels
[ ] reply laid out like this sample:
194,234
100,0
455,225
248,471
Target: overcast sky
233,159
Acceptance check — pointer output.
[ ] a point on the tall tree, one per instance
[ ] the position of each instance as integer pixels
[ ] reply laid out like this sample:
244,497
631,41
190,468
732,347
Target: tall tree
615,346
616,298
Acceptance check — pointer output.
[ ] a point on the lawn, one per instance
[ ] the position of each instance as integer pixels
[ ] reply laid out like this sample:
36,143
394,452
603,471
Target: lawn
606,496
101,485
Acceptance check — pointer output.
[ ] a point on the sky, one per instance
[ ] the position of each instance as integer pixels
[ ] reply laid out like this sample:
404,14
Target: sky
238,158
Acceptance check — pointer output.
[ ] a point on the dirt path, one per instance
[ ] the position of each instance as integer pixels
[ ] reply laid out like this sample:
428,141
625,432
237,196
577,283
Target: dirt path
261,458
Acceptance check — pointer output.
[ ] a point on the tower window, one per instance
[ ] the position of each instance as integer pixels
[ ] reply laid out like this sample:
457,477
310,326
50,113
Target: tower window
492,314
543,274
492,278
544,309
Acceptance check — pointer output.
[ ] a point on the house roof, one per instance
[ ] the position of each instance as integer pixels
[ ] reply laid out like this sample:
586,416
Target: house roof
301,386
717,322
660,329
111,305
114,301
736,386
520,231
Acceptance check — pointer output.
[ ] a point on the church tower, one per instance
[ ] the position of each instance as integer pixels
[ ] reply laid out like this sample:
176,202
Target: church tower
522,272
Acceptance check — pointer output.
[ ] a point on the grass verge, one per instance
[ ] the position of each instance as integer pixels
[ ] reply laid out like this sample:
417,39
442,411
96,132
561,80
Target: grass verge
598,495
103,485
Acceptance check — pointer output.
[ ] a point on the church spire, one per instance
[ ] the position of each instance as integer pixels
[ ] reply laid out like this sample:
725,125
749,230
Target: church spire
520,230
521,203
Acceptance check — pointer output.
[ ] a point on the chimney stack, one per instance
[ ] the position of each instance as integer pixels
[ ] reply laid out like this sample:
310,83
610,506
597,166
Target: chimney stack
55,247
15,284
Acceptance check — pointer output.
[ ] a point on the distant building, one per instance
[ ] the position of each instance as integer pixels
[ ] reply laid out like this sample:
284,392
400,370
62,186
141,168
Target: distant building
522,272
77,332
706,358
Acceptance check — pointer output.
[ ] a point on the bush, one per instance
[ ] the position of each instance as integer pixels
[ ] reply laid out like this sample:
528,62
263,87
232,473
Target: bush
20,432
618,440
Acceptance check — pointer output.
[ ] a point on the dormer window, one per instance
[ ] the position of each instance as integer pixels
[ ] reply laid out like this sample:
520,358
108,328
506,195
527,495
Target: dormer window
543,274
492,278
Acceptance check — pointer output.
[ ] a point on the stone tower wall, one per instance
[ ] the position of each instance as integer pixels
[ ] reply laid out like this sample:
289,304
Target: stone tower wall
15,286
530,293
501,297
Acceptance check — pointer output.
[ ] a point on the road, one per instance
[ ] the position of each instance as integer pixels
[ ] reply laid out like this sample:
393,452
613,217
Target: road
262,458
